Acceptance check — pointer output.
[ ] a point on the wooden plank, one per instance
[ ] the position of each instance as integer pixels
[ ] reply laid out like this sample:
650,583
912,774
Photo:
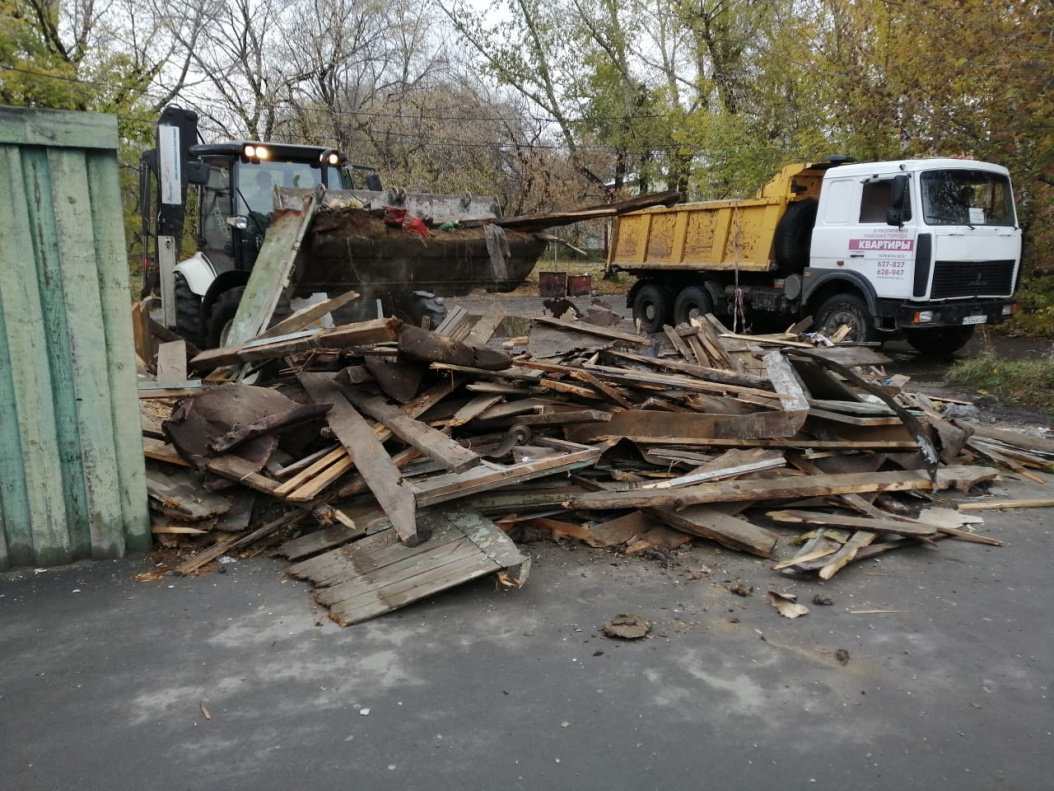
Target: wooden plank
58,129
473,409
606,390
172,362
334,536
491,476
335,456
661,426
678,343
791,488
718,474
711,523
162,451
305,317
593,329
775,442
359,333
272,271
439,447
904,528
685,383
381,475
713,345
999,505
715,375
88,431
487,324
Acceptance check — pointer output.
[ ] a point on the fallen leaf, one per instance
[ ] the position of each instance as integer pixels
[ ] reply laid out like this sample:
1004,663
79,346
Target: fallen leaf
205,710
787,604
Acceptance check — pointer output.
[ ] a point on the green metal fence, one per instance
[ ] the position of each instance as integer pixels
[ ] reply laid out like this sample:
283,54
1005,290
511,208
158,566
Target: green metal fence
72,480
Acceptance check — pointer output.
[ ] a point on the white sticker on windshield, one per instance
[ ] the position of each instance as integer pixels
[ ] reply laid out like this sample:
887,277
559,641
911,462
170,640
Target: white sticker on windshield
976,216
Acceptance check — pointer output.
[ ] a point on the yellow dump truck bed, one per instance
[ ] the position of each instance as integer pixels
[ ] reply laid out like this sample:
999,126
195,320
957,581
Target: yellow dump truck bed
713,235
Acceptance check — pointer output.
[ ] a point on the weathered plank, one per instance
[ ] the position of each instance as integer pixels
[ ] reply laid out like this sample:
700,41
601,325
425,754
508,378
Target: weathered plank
438,446
271,272
789,488
729,531
904,528
354,433
593,329
488,476
309,315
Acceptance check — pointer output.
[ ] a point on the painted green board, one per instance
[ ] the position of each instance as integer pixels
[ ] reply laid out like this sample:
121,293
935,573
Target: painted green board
271,272
72,481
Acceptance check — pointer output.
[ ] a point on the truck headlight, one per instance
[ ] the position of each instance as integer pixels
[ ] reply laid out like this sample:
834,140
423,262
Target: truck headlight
924,317
1009,309
240,222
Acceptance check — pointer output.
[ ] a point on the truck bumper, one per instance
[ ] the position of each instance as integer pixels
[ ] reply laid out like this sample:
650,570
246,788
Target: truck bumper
915,315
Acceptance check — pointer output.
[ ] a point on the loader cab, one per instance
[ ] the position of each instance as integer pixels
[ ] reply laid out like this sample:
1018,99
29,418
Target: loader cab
236,198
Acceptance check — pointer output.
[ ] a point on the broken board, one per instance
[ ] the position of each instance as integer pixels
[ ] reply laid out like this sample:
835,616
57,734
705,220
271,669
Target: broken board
379,574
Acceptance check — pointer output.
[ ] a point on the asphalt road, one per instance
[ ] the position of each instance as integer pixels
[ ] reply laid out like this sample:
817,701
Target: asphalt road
104,678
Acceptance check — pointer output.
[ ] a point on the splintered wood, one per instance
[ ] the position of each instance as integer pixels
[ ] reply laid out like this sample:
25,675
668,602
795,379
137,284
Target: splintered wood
388,463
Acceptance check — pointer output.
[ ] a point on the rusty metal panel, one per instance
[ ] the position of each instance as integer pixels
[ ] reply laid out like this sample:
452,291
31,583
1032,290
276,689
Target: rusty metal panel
72,481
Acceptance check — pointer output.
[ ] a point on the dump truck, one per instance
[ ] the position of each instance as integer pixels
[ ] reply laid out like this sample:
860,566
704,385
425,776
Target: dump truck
924,249
385,244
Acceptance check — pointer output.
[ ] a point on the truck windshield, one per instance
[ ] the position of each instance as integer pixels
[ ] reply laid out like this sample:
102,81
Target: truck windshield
966,197
256,183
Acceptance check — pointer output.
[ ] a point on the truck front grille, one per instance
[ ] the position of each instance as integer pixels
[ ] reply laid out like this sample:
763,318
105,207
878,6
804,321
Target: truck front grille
972,278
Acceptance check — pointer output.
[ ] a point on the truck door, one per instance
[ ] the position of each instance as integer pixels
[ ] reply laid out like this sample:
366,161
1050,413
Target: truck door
882,253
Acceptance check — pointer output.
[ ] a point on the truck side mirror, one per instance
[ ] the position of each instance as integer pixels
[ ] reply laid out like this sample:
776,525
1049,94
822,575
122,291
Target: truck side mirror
197,173
373,182
900,201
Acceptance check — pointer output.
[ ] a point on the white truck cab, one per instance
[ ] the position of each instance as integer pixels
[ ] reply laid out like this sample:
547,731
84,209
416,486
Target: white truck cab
933,246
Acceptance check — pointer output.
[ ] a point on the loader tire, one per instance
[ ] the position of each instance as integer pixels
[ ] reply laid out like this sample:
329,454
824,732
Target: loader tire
188,310
219,320
794,235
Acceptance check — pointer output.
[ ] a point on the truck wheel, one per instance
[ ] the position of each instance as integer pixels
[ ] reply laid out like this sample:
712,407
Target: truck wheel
794,235
847,309
939,340
219,320
694,302
653,307
188,310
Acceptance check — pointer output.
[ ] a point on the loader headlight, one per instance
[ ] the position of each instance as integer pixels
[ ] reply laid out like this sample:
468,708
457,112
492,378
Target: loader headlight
239,222
256,153
330,157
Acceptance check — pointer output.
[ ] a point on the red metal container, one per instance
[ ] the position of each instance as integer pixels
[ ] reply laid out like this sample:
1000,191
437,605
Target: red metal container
579,285
552,284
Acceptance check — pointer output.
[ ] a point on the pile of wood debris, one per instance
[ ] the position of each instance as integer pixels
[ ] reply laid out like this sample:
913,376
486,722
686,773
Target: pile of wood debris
388,463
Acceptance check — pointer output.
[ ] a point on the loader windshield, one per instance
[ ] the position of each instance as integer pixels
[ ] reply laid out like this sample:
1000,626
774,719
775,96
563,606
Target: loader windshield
966,197
256,183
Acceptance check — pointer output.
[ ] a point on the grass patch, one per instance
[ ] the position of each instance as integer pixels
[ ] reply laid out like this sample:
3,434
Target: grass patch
1035,300
1022,382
